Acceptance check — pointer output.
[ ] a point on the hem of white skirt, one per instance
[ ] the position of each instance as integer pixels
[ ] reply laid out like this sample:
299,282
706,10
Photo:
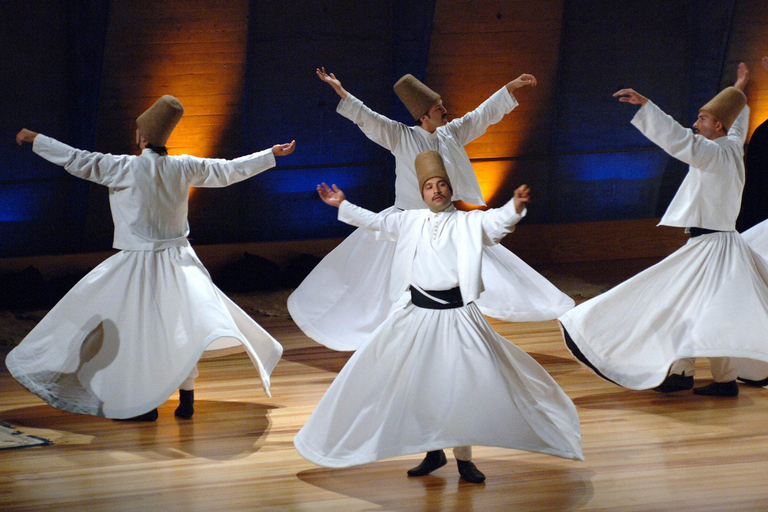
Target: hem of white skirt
333,462
307,328
626,381
65,405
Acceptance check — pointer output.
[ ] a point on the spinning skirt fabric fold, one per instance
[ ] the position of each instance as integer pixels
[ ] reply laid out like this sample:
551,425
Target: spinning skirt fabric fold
346,297
431,379
130,332
751,369
707,299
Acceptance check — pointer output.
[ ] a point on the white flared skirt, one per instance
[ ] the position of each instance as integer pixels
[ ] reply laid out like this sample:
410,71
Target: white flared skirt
131,331
346,297
432,379
707,299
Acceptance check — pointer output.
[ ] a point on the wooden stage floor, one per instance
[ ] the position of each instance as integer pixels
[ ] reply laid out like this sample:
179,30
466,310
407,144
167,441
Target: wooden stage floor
644,451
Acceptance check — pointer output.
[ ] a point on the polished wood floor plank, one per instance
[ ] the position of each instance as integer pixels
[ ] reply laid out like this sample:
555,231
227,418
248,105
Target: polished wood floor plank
644,451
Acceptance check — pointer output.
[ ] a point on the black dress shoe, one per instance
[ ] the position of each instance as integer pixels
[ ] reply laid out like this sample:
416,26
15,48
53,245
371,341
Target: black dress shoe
434,460
147,416
469,472
729,389
754,383
675,382
186,408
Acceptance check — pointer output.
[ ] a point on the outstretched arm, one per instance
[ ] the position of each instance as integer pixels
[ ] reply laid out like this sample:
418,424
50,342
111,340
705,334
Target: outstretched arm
217,172
386,225
497,223
522,81
331,80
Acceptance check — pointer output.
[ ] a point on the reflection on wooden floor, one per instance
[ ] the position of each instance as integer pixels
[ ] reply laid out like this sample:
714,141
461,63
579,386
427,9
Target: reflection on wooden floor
644,451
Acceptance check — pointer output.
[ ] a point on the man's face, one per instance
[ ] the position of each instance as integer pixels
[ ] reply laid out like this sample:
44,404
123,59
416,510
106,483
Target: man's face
437,194
435,117
707,126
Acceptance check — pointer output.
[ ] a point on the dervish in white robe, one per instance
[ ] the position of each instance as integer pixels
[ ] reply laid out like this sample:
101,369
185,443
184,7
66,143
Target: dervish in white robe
428,379
343,300
707,299
128,334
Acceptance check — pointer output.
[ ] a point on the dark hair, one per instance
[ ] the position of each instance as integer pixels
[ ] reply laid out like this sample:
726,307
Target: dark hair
160,150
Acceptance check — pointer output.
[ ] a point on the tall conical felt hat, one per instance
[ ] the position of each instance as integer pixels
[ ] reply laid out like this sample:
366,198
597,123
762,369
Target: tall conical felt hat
429,164
726,106
417,97
159,120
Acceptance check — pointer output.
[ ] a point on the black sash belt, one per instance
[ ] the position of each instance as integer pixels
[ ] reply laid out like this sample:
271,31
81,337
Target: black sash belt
701,231
452,296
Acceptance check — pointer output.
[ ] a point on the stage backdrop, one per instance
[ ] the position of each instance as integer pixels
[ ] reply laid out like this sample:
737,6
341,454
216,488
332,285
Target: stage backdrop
82,71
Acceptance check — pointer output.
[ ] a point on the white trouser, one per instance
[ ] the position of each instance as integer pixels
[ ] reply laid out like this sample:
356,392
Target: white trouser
462,453
721,368
189,383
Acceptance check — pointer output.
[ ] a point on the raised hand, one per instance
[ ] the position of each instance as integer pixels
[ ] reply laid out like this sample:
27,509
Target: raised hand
331,80
630,96
522,196
742,76
284,149
522,81
332,196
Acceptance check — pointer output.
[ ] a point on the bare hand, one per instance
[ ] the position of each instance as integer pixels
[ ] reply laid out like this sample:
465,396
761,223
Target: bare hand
522,196
742,76
522,81
332,196
25,136
284,149
630,96
331,80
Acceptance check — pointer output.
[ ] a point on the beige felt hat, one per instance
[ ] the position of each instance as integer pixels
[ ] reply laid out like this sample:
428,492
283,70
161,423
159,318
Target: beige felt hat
159,120
417,97
726,106
429,164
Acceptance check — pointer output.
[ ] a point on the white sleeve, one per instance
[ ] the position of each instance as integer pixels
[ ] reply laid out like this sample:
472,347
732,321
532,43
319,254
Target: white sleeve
499,222
669,135
380,129
473,124
99,168
215,172
385,225
740,127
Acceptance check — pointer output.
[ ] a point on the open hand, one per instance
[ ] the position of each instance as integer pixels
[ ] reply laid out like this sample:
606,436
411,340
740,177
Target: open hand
630,96
284,149
331,80
742,76
332,196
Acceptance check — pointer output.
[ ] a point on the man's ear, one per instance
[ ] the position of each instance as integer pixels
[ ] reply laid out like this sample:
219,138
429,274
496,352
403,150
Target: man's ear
719,126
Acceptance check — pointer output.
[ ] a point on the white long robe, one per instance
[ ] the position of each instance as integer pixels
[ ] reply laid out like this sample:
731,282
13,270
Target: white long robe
707,299
345,297
431,379
130,332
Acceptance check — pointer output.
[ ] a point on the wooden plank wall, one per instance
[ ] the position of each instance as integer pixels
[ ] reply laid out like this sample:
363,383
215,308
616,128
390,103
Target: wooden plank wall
476,48
749,43
192,49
